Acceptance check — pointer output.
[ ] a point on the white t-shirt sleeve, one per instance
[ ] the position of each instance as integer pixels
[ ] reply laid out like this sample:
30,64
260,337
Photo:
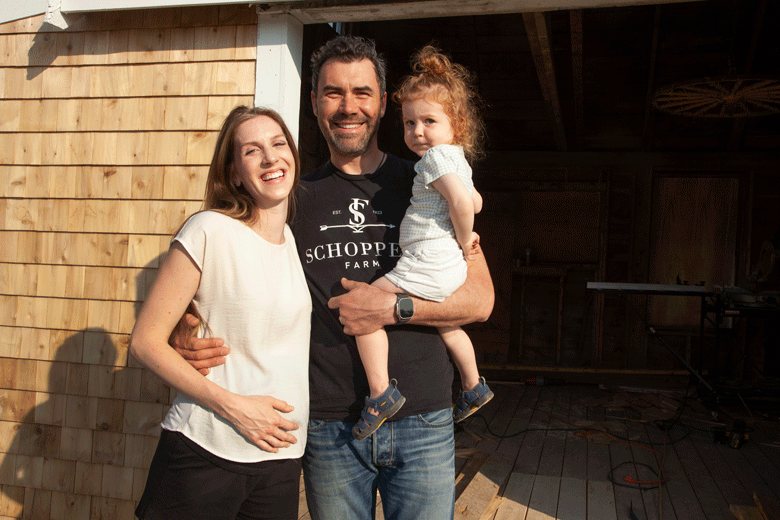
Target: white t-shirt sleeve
192,236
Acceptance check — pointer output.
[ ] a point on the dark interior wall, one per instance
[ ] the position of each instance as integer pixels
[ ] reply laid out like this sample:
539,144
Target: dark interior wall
607,333
600,214
761,342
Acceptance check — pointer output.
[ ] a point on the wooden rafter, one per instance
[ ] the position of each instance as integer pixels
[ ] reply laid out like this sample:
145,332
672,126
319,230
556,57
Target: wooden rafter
323,11
537,28
575,22
738,126
362,10
647,133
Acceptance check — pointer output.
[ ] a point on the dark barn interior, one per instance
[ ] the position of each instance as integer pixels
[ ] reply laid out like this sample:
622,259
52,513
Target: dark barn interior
590,177
631,146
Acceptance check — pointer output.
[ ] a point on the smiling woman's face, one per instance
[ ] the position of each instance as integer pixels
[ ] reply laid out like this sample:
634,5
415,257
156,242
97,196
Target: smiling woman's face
263,161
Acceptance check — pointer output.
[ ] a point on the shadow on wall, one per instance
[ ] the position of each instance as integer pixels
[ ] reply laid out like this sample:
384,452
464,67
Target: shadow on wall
44,49
87,431
106,32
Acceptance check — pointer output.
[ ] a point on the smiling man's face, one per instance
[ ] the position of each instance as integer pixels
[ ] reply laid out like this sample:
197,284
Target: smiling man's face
348,106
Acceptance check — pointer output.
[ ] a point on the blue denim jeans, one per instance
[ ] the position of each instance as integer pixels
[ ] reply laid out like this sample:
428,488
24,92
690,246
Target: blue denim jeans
411,461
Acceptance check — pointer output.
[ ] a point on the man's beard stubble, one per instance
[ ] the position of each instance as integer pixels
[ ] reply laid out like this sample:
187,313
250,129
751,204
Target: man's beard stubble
350,147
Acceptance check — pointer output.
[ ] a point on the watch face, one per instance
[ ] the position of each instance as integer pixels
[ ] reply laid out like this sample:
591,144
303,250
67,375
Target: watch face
405,307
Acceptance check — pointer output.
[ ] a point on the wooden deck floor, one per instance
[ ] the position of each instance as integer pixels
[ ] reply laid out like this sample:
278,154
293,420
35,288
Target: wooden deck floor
575,452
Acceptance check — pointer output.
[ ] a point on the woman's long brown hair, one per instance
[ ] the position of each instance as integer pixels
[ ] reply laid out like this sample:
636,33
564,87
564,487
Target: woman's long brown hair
231,200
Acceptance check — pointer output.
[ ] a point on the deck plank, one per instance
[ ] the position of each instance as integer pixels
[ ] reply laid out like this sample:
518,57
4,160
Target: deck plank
468,471
763,464
645,453
747,512
601,500
575,460
511,439
517,491
472,431
744,471
678,488
517,496
712,502
527,460
482,489
573,499
766,440
627,495
500,425
477,487
599,462
514,435
769,506
551,458
544,498
725,478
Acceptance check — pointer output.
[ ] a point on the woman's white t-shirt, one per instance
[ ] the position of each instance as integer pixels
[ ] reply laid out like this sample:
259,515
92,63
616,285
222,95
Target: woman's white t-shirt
252,294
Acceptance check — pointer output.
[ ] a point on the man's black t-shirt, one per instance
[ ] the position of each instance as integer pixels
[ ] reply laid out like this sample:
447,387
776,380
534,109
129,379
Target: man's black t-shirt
347,226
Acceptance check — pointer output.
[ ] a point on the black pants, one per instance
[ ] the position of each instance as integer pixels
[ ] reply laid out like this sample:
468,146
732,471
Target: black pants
187,482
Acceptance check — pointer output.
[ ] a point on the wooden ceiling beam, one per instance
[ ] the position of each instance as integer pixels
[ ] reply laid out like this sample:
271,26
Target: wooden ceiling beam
575,22
508,163
649,124
537,27
323,11
738,125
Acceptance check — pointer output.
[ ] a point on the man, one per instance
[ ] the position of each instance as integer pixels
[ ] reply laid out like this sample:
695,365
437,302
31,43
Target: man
346,231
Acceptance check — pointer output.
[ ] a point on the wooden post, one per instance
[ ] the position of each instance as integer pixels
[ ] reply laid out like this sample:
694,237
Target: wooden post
279,59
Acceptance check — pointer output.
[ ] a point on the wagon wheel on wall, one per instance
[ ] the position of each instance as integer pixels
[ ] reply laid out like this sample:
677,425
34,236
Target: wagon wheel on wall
723,97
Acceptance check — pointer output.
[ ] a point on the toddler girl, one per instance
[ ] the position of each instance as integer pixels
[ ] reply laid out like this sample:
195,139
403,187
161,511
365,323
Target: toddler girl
442,126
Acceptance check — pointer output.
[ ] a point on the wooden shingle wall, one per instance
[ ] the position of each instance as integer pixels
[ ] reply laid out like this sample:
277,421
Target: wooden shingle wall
106,132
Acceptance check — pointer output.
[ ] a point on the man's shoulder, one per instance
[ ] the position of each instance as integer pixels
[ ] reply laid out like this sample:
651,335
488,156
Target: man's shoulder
396,170
392,164
399,163
323,171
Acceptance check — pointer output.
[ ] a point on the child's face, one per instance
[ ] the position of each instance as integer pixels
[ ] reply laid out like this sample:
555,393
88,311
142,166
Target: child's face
425,125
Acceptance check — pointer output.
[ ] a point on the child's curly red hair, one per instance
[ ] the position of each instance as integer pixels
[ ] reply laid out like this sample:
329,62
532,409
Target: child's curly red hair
452,86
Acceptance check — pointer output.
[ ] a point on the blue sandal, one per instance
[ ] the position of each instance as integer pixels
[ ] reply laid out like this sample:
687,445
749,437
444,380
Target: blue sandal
471,401
386,404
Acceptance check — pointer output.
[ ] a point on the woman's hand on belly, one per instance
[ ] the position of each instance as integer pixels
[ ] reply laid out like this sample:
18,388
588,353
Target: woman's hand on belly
258,419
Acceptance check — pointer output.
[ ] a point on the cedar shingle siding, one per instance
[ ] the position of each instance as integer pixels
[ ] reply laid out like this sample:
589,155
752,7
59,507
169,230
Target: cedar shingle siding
106,132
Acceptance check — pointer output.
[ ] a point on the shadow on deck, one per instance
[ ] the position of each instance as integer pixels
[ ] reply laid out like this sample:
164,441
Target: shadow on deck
586,452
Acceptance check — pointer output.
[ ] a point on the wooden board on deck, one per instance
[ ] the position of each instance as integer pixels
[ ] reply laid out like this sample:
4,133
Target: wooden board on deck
482,489
572,499
544,498
601,500
746,512
517,495
768,506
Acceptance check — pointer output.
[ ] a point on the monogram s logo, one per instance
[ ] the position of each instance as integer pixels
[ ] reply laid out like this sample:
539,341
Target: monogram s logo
358,220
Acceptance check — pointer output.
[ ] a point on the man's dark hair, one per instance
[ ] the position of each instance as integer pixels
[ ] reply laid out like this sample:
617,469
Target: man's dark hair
348,49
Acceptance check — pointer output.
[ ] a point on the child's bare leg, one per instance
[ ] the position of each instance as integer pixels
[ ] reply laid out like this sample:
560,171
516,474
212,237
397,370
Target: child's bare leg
373,350
373,354
462,352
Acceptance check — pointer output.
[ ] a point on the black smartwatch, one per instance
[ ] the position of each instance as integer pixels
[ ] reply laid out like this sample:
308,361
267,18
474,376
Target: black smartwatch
404,308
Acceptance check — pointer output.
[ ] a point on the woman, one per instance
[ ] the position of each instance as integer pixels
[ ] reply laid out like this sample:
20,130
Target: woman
232,442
